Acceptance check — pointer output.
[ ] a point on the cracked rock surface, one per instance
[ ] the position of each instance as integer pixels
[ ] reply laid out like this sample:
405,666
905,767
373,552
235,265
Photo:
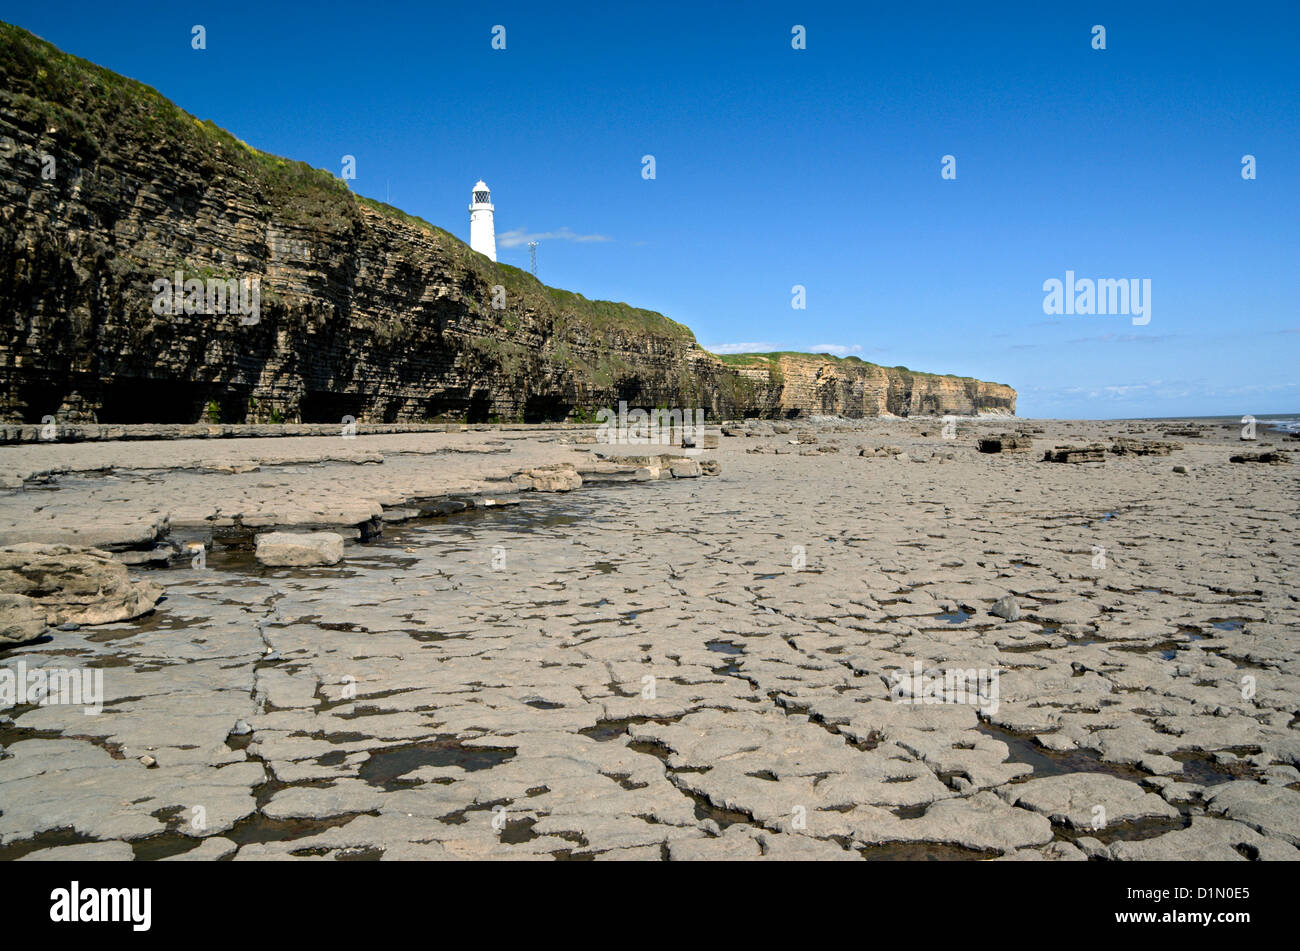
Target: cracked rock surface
680,668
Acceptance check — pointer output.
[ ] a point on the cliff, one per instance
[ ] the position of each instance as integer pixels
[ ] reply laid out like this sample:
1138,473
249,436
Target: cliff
791,384
361,310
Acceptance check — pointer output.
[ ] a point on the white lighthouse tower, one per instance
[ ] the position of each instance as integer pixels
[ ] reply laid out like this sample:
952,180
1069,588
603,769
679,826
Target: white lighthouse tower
482,232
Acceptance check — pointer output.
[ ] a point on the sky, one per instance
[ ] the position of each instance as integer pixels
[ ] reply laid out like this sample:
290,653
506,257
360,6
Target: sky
821,167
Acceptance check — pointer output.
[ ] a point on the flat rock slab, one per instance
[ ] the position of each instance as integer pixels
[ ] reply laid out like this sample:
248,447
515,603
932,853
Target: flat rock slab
299,549
1279,458
1066,612
1272,810
657,670
1088,800
997,444
86,852
1206,839
1076,454
211,849
1124,446
982,823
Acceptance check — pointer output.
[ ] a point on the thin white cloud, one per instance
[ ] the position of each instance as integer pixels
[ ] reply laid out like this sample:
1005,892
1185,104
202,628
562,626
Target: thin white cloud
521,236
837,349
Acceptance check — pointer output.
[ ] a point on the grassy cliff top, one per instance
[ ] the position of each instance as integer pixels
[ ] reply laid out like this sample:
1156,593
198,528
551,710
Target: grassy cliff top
93,112
775,357
600,315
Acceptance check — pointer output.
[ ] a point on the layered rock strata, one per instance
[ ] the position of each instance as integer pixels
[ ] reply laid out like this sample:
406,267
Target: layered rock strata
155,269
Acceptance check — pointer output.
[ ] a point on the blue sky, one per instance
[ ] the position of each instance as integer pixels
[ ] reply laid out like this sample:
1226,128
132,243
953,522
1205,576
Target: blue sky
819,167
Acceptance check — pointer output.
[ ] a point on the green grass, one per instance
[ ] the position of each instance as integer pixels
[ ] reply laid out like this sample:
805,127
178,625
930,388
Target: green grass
87,111
93,110
397,213
773,358
599,317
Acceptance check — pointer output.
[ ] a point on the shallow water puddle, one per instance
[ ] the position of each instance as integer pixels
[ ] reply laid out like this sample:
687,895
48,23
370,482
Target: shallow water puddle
1203,769
1045,762
923,852
51,838
1132,831
724,647
258,828
605,730
386,766
1167,650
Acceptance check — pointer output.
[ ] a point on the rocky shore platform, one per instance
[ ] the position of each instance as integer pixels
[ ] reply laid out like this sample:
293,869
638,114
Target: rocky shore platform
521,644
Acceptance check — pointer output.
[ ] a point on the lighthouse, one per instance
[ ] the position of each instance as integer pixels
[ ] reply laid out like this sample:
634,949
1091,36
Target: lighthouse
482,232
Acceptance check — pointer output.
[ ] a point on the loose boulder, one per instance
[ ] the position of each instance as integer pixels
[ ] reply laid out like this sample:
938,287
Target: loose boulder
1006,444
1006,608
72,585
1269,458
21,619
299,549
561,477
1124,446
1076,454
700,441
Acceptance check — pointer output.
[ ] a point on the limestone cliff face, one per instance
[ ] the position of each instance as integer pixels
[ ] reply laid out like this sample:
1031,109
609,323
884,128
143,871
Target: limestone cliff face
790,384
108,188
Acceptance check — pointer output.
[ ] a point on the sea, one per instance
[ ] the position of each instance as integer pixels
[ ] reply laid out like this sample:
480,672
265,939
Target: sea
1278,422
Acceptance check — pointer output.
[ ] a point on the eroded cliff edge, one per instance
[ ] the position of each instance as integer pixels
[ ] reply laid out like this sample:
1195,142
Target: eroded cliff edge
364,311
787,384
